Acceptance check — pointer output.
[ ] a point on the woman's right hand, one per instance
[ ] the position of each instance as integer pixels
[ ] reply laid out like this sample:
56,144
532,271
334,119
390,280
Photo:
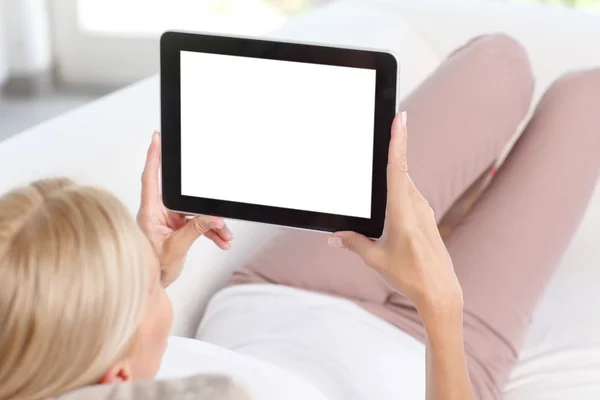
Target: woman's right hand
410,255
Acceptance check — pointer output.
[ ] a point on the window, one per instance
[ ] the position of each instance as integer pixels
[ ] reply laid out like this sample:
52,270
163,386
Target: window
591,5
150,18
115,42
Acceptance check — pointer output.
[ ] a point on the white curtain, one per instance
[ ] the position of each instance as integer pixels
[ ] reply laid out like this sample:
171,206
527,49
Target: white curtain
25,37
3,56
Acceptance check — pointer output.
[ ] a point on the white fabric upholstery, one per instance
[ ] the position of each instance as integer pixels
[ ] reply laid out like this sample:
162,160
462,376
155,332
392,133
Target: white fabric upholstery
556,39
104,144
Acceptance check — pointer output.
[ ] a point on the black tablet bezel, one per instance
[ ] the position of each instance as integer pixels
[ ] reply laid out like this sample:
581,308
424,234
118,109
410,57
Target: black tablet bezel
386,66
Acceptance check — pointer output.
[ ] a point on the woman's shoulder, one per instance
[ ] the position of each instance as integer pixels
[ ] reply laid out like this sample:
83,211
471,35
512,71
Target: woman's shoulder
205,386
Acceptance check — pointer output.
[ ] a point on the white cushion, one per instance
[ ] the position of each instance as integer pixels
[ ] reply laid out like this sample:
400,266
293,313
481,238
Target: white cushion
557,39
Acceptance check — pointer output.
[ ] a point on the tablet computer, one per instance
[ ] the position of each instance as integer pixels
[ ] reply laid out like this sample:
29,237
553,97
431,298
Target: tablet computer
283,133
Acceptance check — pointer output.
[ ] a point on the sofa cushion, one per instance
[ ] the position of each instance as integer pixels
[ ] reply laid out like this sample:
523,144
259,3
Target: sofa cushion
557,39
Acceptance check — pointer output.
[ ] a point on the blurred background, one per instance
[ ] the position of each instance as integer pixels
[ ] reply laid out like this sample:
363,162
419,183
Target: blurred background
58,54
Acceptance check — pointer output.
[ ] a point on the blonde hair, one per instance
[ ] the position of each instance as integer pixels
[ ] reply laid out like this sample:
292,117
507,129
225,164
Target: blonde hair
73,284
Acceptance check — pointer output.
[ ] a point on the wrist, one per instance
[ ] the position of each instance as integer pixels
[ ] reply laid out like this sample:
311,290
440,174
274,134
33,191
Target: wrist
442,311
445,332
170,273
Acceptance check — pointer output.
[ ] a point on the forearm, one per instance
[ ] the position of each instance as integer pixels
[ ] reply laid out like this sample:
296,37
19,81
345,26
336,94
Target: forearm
447,372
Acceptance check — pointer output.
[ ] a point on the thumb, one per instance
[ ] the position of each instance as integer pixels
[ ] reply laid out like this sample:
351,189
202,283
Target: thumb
182,240
362,246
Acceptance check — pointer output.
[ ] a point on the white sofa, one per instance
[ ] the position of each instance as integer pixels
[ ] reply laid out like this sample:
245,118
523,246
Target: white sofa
104,143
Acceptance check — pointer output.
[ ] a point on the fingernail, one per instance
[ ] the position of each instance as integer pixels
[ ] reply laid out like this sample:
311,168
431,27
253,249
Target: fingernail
404,118
155,136
335,241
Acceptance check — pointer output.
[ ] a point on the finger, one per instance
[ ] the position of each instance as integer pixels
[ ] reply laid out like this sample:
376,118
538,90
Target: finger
183,239
358,244
150,182
424,214
397,171
418,200
218,240
225,233
411,189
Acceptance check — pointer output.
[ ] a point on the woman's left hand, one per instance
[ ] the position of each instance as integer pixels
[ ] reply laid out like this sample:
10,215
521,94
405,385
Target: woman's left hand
172,234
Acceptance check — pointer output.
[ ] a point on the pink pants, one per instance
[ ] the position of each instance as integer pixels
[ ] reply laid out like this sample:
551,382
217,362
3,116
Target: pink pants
506,248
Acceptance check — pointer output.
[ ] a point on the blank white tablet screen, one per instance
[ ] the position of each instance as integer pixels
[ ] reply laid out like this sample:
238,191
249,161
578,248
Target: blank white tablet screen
277,133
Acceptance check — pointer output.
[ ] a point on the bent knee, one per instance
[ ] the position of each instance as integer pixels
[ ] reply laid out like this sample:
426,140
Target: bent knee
505,60
581,86
573,104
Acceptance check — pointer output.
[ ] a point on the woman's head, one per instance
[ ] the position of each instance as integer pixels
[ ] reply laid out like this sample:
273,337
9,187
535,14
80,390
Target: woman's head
80,295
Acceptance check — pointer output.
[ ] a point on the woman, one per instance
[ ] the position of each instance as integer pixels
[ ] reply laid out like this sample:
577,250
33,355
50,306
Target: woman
504,250
82,298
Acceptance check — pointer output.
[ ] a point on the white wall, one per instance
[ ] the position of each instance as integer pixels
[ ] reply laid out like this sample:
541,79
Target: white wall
25,32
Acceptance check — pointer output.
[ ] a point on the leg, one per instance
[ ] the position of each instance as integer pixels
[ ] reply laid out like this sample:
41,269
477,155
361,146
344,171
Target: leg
507,248
481,94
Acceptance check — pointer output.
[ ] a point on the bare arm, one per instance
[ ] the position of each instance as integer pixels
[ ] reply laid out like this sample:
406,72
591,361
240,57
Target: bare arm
447,373
411,257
